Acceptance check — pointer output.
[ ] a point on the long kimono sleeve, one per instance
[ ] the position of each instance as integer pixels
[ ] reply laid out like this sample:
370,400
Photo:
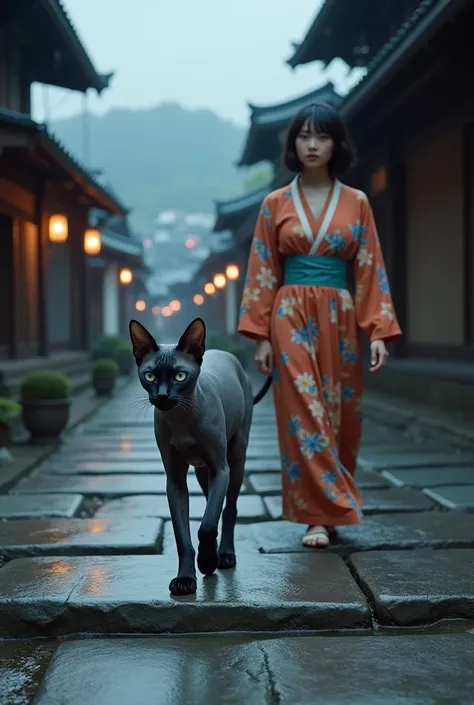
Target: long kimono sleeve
374,308
263,277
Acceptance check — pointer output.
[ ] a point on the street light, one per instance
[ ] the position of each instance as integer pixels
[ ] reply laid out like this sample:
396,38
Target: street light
58,228
232,272
140,305
209,289
175,305
92,241
126,276
156,310
219,281
198,299
166,311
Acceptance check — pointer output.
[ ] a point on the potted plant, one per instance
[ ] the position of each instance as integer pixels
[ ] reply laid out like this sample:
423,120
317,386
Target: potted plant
45,399
123,356
105,346
9,411
104,374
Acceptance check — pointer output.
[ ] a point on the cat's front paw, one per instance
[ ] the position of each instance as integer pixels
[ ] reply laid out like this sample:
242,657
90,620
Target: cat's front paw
183,586
207,558
226,561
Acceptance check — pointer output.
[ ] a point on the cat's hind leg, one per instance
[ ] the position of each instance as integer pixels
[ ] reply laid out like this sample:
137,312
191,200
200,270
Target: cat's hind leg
236,454
207,556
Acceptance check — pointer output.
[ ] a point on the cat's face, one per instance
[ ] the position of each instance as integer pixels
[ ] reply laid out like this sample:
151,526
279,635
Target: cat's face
169,372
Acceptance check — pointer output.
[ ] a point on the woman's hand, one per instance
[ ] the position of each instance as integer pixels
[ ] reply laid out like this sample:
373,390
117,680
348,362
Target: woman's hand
264,357
378,355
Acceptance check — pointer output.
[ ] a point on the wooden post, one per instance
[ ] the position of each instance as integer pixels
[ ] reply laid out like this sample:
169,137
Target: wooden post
42,229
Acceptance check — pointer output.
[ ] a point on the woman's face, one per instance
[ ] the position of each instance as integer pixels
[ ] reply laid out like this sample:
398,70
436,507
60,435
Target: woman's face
314,147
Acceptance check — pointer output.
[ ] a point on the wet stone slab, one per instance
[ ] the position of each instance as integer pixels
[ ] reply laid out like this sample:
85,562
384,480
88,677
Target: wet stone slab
22,666
383,531
375,502
270,483
367,450
129,594
264,464
418,587
109,456
72,466
250,507
39,506
77,537
431,477
419,670
243,535
101,485
386,461
453,497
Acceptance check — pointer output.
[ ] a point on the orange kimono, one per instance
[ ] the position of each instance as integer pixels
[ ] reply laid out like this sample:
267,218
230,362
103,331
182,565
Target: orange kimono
296,295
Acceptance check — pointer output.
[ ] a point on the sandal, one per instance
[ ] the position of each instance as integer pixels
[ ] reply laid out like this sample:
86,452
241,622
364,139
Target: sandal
316,537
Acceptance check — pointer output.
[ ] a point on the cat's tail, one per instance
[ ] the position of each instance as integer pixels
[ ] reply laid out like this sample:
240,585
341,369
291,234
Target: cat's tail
261,392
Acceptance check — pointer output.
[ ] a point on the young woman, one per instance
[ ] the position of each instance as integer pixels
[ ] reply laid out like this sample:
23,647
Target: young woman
311,237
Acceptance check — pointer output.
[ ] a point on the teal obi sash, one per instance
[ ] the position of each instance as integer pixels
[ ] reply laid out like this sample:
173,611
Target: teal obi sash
315,270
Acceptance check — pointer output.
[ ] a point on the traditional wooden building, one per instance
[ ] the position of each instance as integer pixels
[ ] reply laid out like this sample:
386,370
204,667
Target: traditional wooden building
45,197
412,118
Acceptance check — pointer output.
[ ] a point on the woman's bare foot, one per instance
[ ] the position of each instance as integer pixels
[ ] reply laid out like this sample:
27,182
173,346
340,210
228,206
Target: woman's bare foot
316,537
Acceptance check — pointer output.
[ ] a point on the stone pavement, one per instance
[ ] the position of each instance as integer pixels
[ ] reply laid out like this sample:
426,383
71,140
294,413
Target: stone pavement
385,615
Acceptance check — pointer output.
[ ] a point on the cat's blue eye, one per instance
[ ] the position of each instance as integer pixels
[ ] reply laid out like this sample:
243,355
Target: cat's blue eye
180,376
149,376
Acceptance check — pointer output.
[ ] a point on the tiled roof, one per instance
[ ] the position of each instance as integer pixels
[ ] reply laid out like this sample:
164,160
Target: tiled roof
427,16
284,112
234,205
53,147
229,214
301,48
58,13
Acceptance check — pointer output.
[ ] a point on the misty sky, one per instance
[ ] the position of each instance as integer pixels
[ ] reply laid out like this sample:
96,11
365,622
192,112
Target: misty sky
215,54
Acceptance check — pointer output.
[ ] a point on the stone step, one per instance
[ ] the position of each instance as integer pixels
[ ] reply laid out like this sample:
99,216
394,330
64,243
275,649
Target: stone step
130,595
241,669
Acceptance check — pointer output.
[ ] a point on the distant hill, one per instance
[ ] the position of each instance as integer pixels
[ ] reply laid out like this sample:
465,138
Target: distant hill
160,158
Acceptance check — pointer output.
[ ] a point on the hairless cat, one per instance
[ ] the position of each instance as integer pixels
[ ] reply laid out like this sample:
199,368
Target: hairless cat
203,411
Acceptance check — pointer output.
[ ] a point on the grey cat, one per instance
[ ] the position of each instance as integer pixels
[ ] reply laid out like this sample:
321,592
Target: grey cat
203,411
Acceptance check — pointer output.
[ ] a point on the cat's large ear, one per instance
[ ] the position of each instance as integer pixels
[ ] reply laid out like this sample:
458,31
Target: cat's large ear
143,341
193,340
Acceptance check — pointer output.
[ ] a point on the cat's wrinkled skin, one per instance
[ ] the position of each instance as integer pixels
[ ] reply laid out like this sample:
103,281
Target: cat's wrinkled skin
203,412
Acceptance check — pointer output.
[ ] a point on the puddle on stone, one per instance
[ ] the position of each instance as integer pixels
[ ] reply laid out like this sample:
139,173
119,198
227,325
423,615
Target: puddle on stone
22,666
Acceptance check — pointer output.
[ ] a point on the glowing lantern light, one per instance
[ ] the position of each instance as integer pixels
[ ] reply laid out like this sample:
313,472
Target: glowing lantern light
175,305
210,289
140,305
232,272
198,299
58,228
219,281
126,276
92,242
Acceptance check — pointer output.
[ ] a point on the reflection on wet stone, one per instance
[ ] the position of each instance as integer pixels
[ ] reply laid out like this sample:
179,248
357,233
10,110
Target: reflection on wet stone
35,537
130,594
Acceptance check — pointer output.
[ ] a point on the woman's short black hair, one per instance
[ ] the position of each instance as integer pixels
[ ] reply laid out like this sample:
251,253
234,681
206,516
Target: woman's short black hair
325,118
